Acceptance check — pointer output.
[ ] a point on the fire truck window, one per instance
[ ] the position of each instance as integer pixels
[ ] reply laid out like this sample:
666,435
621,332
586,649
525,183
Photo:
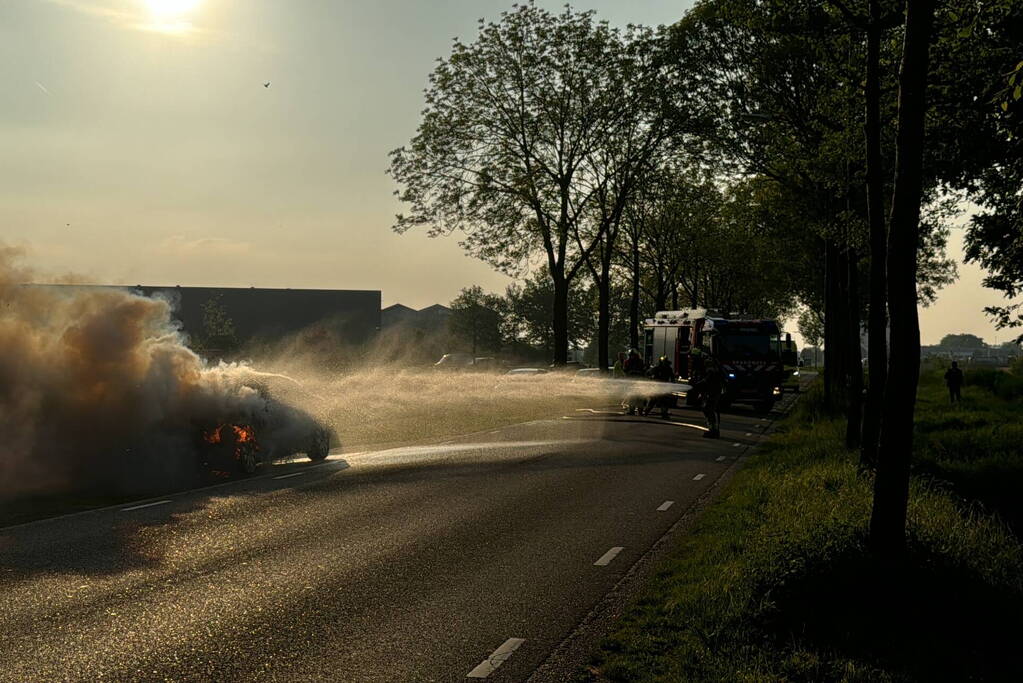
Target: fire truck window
742,346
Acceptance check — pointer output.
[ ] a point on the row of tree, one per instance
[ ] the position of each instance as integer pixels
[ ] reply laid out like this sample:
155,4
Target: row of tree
755,156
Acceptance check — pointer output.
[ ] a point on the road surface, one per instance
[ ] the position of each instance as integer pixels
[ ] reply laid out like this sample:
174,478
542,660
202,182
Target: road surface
474,558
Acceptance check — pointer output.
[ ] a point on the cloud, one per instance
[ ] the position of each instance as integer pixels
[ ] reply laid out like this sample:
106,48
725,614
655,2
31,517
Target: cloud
181,246
126,15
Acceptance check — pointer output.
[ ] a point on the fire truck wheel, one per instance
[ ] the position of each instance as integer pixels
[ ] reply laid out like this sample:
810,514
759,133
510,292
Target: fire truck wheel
320,446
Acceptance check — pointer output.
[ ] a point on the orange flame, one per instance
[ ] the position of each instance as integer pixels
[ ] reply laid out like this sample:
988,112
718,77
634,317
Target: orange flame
243,434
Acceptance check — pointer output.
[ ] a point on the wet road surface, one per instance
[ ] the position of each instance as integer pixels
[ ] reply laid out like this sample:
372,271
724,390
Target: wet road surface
476,557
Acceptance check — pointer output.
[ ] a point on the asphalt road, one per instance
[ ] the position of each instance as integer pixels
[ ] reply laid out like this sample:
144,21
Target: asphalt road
477,556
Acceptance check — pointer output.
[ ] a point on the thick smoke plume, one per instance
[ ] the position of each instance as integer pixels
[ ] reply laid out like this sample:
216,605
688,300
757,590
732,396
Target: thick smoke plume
98,388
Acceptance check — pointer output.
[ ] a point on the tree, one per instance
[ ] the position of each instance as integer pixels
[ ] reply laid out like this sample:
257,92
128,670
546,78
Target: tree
528,318
780,74
505,150
476,318
654,114
891,482
977,90
962,342
218,334
811,326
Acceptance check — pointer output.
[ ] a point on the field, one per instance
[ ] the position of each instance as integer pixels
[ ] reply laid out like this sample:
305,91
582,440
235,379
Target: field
776,583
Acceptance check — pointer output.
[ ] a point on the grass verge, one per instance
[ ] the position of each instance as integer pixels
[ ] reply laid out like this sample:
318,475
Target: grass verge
775,581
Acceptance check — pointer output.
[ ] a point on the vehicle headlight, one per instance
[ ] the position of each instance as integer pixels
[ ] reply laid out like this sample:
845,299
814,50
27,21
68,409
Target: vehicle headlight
777,391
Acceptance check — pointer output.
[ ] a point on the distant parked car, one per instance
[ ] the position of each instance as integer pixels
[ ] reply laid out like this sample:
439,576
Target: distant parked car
570,366
454,361
527,372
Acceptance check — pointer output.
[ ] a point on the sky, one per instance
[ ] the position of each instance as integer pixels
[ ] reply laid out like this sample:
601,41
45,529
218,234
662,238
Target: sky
138,144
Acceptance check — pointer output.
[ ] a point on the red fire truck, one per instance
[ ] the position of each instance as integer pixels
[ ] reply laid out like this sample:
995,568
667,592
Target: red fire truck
750,352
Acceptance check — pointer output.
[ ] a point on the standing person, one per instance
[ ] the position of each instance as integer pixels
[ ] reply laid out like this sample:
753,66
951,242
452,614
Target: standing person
709,389
618,371
954,381
662,372
635,369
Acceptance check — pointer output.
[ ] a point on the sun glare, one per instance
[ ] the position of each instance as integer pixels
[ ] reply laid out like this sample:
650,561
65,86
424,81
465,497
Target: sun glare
170,16
166,9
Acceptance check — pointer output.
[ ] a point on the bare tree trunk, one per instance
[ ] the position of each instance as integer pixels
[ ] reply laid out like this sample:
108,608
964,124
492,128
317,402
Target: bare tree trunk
854,368
831,320
661,300
694,300
891,484
634,304
877,323
560,318
604,310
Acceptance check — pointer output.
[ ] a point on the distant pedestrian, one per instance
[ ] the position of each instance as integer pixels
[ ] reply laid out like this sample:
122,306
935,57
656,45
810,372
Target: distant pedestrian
954,381
709,388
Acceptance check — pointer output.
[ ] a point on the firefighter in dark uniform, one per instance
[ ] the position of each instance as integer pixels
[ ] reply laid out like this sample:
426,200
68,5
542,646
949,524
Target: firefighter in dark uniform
709,388
662,372
635,369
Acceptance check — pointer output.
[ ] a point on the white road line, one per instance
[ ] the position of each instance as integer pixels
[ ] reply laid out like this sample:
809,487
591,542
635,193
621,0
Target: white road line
698,477
720,458
665,505
749,433
145,505
288,476
736,444
606,558
496,659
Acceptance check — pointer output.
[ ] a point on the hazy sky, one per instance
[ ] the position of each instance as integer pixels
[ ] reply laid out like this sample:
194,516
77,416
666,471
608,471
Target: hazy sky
138,144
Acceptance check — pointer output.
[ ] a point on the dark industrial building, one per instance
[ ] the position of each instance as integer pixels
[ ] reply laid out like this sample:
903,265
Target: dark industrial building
257,314
269,314
431,319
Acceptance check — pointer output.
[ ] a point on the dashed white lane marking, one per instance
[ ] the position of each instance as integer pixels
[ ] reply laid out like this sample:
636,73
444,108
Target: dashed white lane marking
145,505
749,433
698,477
288,476
720,458
496,659
606,558
736,444
665,505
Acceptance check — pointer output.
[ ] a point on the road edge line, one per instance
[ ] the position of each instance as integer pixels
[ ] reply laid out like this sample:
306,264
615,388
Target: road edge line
571,654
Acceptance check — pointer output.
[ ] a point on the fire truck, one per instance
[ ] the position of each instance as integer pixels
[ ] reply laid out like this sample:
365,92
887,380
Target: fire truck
750,352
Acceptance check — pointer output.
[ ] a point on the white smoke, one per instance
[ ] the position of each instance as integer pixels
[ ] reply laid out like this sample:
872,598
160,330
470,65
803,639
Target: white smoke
97,385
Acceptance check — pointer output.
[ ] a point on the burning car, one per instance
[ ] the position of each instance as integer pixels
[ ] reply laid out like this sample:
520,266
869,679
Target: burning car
249,438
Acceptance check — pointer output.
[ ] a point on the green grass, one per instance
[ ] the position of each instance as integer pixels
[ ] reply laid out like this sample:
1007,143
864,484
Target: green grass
775,581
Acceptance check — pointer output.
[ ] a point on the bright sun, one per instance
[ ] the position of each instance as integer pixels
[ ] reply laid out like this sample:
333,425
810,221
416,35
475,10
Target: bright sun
168,9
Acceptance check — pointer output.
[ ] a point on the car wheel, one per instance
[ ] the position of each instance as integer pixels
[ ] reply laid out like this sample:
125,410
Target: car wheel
247,461
320,446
